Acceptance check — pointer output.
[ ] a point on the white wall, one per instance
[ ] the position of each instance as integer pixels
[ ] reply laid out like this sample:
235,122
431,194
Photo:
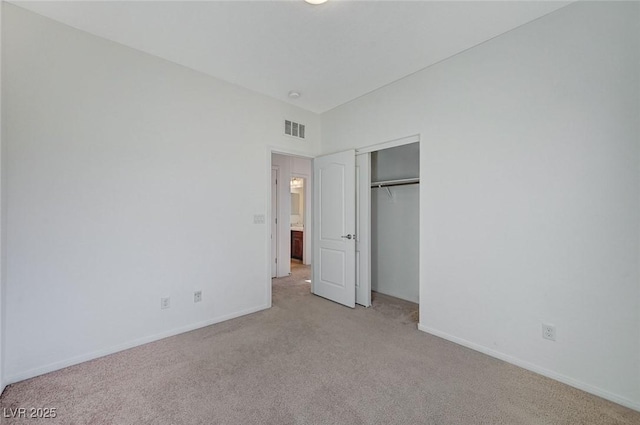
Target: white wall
400,162
128,179
529,193
395,223
395,242
2,227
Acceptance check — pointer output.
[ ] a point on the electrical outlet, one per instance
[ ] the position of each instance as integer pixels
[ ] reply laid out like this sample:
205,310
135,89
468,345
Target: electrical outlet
164,303
258,219
549,332
197,296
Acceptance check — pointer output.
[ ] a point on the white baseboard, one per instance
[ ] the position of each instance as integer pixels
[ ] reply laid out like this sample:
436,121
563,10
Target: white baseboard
534,368
121,347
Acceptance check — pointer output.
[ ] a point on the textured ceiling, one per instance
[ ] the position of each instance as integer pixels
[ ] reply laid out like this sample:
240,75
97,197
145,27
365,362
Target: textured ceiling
331,53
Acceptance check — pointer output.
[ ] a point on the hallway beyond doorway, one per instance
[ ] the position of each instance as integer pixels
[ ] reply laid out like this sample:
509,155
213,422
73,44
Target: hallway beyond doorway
296,284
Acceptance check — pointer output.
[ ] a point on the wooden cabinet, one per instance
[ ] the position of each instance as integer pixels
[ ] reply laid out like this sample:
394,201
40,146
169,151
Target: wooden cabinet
296,244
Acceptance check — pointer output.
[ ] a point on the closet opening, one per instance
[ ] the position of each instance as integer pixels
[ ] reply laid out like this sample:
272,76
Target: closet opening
393,204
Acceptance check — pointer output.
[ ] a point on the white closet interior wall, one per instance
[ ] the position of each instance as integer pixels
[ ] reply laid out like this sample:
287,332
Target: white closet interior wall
394,223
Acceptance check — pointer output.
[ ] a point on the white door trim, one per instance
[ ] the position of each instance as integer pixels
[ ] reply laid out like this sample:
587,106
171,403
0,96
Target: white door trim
363,230
390,144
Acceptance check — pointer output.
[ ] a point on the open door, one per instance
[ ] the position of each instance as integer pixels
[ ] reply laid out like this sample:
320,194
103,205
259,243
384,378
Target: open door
274,222
334,242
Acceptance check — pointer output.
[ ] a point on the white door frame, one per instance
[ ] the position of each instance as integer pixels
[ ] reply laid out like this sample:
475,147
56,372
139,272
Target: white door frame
363,229
389,144
288,152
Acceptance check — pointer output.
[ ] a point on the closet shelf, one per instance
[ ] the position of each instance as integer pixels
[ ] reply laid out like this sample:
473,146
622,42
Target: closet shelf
399,182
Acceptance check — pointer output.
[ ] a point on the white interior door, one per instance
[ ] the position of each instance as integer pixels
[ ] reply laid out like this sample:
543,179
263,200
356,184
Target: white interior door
334,243
274,220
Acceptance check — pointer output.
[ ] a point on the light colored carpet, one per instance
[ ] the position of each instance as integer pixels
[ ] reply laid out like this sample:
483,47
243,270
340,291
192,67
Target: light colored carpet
307,361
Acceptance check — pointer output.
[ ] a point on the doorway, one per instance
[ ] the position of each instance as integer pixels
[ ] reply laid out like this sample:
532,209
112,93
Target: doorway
290,213
389,220
395,220
342,220
380,247
298,219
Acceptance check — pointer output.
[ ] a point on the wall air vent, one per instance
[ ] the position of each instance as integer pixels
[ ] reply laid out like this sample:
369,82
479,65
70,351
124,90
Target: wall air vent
294,129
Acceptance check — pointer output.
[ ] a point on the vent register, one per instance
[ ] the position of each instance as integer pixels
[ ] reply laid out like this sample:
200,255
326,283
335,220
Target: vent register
294,129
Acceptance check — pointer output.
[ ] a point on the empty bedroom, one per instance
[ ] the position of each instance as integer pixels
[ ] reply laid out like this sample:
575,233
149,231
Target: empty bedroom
320,212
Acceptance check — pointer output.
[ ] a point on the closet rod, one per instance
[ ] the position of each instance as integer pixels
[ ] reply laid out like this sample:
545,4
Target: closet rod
400,182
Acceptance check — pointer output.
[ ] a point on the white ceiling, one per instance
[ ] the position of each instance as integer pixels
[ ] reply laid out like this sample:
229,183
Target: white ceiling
331,53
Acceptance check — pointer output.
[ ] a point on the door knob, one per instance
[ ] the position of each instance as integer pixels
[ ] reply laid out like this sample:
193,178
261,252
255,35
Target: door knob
348,236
